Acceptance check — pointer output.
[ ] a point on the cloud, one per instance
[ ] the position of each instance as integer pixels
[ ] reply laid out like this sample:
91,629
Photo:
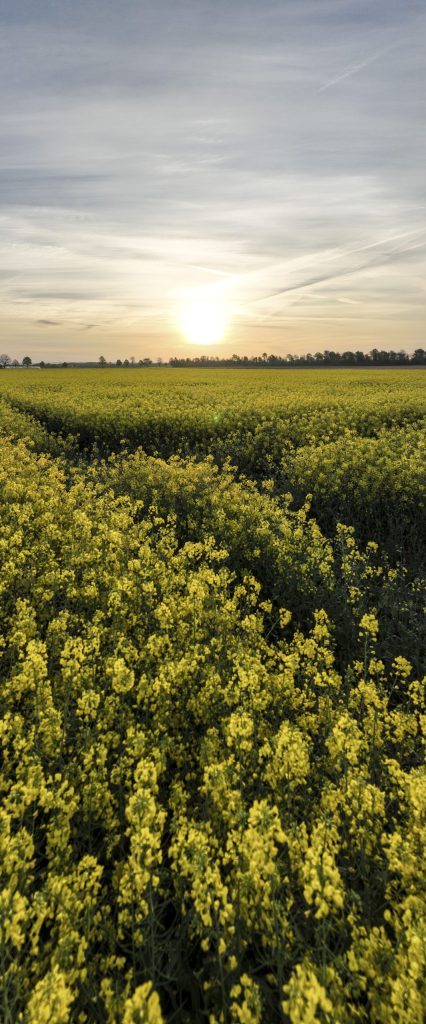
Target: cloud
154,149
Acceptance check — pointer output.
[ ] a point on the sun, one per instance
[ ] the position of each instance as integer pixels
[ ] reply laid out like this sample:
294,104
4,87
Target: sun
203,323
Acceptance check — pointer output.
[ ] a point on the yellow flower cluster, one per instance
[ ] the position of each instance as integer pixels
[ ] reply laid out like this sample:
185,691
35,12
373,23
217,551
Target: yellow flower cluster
213,792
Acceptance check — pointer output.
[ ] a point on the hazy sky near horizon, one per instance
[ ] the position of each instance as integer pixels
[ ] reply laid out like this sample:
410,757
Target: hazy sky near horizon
268,157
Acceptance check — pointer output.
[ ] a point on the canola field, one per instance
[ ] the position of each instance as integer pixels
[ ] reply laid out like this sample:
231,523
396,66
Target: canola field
212,648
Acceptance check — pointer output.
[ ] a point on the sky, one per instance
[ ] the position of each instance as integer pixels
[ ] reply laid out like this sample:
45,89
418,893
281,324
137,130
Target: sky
255,166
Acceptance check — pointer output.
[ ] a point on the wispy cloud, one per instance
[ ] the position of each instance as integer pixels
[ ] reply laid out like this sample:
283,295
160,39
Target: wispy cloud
156,150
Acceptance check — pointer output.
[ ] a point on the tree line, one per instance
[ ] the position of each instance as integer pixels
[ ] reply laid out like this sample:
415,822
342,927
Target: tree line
327,358
376,357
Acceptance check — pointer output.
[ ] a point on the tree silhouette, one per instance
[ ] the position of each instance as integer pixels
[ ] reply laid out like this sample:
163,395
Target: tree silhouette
5,360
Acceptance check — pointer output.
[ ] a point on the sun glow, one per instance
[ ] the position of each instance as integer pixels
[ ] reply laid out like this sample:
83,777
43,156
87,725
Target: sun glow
204,323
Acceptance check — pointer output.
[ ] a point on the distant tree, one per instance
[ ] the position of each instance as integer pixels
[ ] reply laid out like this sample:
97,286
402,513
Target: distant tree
147,361
65,365
5,360
102,361
27,362
42,364
419,355
132,360
119,362
126,362
15,362
402,356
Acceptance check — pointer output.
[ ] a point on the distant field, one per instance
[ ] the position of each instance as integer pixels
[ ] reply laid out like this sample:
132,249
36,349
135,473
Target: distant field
183,408
95,398
212,597
353,439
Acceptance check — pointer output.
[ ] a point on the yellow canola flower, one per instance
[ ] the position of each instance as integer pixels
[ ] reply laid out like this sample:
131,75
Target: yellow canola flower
123,678
369,625
143,1007
322,883
246,1004
51,1000
306,999
289,764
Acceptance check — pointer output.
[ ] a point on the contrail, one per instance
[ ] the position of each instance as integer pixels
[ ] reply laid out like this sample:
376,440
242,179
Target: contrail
209,270
353,69
378,261
329,255
310,270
